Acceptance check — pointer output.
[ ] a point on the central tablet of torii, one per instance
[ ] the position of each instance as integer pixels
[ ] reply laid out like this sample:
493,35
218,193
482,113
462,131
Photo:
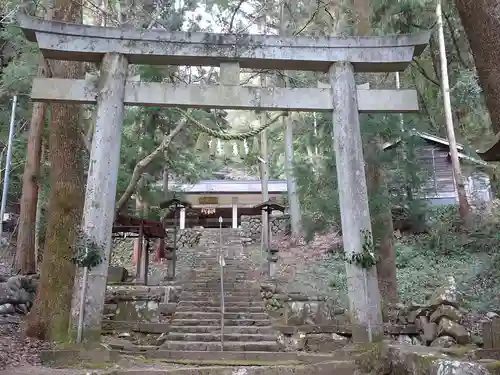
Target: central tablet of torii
115,48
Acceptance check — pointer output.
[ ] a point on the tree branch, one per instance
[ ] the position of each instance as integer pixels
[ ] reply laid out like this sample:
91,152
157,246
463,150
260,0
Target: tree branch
144,163
422,71
454,41
230,28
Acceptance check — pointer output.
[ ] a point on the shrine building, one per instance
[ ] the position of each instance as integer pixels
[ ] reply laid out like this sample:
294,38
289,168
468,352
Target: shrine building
211,199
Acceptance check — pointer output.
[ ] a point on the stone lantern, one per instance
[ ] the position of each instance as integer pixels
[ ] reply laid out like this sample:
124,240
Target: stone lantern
272,252
176,205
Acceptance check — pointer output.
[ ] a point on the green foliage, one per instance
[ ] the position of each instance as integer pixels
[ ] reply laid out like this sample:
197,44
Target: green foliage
366,259
87,253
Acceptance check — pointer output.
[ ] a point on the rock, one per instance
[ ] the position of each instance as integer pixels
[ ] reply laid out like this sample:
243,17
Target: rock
492,315
110,309
414,314
447,311
447,295
268,287
421,360
167,308
404,339
416,340
21,308
117,274
11,291
448,327
15,282
444,342
161,339
7,308
428,330
296,313
325,343
298,341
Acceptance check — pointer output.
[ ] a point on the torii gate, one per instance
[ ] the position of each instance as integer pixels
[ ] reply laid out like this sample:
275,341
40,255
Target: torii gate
341,57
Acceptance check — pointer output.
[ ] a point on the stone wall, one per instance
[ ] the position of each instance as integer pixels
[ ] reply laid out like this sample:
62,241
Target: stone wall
187,238
17,294
250,228
139,303
123,248
300,318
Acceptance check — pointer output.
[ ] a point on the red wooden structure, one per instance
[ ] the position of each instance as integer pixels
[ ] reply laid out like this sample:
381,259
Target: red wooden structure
143,229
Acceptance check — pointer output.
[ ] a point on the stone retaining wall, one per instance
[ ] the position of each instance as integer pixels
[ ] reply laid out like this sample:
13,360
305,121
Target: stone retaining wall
17,294
437,323
250,229
187,238
139,303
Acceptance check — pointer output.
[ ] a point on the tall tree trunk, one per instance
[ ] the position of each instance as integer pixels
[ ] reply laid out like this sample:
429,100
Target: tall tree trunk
382,225
481,21
50,317
291,182
380,207
25,261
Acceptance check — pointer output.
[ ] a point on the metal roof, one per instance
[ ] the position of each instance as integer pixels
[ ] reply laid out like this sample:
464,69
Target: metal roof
229,186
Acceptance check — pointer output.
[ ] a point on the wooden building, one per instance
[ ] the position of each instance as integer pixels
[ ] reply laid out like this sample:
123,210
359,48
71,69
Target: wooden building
433,156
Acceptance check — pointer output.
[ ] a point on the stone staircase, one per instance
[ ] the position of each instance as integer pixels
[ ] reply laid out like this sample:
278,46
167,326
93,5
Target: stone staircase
196,324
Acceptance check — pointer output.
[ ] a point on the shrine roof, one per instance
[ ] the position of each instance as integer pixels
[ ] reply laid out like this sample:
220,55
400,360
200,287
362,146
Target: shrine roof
130,224
230,187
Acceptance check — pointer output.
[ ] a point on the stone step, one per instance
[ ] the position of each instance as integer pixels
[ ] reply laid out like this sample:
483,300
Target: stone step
216,284
227,299
236,356
212,303
216,288
216,315
210,294
215,309
242,288
269,330
248,346
215,337
216,322
195,280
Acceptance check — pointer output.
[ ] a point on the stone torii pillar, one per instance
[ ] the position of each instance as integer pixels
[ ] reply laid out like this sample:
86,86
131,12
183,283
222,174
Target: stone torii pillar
364,295
99,207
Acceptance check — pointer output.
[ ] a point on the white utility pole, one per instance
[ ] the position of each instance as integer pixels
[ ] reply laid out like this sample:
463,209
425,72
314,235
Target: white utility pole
8,161
445,89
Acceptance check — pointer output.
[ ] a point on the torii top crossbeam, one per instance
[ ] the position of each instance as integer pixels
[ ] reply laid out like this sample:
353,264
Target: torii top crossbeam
63,41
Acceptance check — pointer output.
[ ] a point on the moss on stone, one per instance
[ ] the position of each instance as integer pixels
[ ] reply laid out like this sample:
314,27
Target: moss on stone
370,358
492,366
460,351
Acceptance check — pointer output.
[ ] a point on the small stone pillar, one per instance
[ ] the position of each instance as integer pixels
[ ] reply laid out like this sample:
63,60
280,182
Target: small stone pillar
362,285
272,258
235,215
182,218
171,256
145,261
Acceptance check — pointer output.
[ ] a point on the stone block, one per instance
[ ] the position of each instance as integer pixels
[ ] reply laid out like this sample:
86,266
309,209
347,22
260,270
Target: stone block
325,342
448,327
117,274
421,360
446,311
446,295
